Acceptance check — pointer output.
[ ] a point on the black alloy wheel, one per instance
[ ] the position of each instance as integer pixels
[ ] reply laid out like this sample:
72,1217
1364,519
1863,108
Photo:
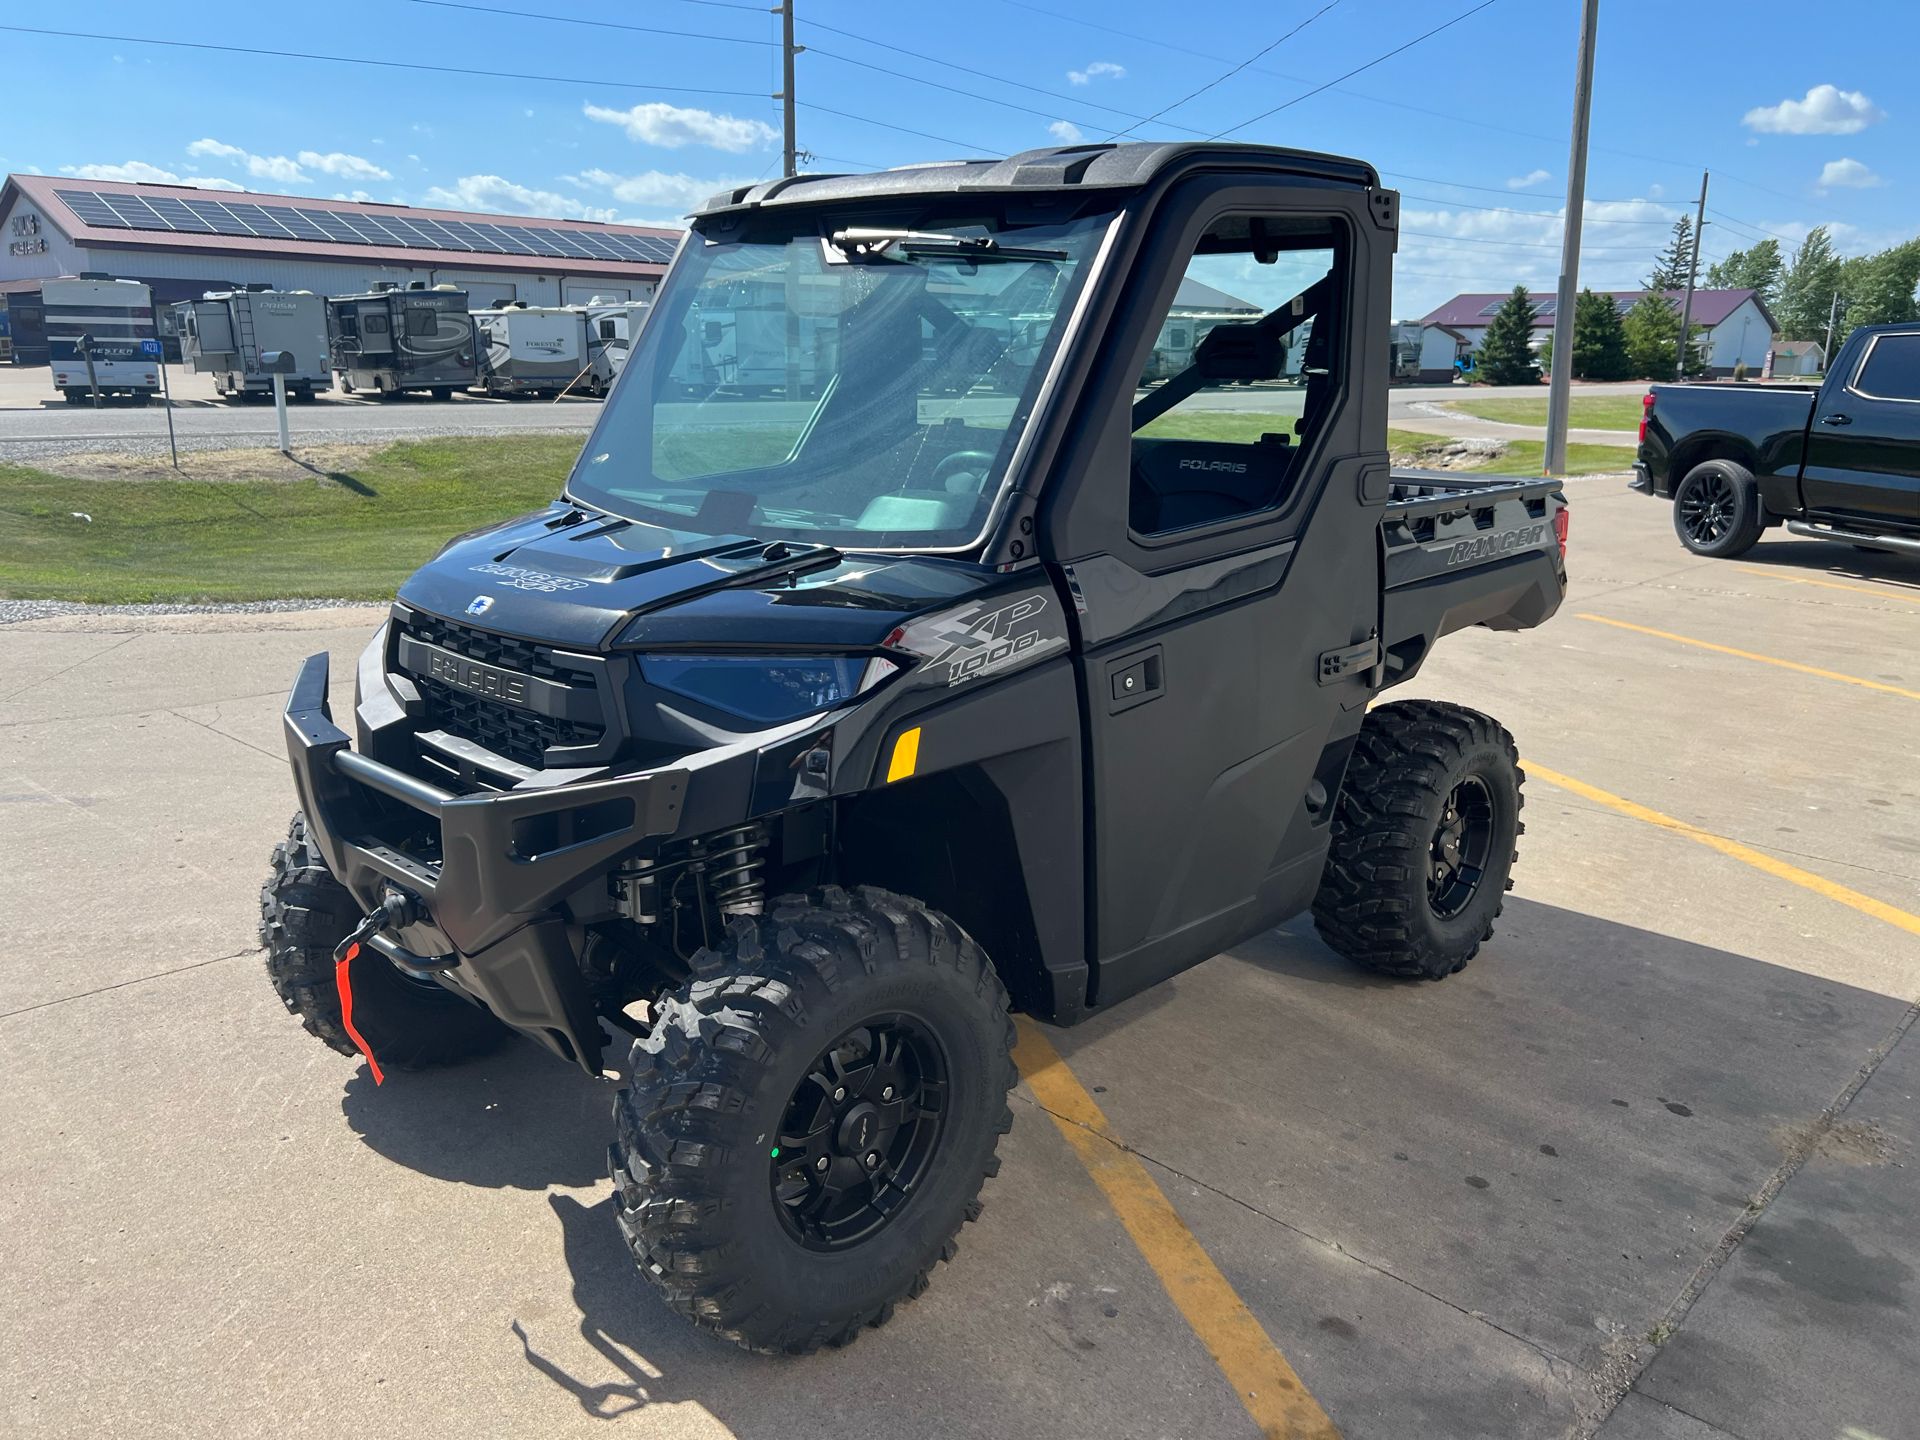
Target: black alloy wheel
1461,844
860,1132
1706,508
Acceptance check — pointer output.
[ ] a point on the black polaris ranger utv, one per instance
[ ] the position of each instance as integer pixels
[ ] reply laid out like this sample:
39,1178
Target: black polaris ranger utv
816,727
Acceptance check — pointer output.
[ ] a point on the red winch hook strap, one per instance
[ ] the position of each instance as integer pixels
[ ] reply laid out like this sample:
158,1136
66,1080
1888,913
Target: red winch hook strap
344,983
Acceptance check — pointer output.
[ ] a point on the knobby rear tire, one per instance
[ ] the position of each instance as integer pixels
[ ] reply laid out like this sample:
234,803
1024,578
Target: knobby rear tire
1374,905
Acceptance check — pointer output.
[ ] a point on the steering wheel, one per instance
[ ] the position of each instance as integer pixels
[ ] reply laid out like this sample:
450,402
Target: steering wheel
972,464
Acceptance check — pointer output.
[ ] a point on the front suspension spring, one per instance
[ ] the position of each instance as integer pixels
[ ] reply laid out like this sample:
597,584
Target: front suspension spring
736,865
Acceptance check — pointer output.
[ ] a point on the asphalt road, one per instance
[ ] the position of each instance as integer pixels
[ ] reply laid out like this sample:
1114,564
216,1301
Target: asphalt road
1646,1169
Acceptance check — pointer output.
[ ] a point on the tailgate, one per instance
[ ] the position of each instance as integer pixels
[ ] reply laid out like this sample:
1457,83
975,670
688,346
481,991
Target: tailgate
1459,551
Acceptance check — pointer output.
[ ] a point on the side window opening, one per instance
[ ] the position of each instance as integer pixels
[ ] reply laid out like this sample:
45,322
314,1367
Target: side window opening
1240,375
1890,369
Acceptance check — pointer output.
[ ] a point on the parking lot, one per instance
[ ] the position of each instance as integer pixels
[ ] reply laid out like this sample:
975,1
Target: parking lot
1645,1169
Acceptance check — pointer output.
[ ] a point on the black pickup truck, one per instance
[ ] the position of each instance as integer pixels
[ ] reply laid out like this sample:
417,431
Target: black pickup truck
1838,461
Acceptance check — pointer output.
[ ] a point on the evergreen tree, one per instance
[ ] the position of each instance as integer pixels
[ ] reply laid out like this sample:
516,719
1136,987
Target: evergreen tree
1807,289
1506,353
1599,339
1671,265
1760,270
1653,333
1878,289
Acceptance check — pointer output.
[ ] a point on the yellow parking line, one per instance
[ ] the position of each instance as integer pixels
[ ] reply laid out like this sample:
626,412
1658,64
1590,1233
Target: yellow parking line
1780,869
1259,1373
1750,655
1831,584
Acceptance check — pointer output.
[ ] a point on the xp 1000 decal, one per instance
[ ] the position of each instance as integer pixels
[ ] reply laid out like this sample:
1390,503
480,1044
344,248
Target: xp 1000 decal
985,637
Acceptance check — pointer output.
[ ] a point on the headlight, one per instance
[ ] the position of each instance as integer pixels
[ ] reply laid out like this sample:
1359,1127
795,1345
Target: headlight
766,688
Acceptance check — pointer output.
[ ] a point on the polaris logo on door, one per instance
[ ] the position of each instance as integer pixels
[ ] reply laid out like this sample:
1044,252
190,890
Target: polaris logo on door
1231,467
1489,547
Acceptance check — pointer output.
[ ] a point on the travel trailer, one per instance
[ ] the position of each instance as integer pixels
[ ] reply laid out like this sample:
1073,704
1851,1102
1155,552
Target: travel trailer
100,335
391,340
224,334
530,350
611,328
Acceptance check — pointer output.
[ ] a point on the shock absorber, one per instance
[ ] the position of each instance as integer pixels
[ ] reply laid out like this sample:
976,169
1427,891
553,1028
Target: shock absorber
736,865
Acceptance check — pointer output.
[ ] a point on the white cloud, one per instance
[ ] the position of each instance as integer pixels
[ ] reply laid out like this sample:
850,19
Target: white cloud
264,167
1846,175
1826,110
663,196
1532,177
503,197
673,126
140,172
362,196
1066,132
1444,252
1097,69
344,166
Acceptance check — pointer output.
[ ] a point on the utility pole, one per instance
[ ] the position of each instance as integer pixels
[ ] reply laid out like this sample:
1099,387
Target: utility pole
1693,274
1833,315
791,163
1558,396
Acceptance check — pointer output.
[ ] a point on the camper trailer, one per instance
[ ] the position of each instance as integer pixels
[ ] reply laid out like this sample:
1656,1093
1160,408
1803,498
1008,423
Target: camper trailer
100,337
611,328
392,340
529,349
225,332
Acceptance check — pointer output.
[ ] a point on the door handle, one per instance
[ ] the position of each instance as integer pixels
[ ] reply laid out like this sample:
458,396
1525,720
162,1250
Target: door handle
1836,419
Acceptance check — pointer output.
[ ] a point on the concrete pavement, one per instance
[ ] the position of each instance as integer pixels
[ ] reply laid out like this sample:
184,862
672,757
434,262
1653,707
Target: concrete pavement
1643,1170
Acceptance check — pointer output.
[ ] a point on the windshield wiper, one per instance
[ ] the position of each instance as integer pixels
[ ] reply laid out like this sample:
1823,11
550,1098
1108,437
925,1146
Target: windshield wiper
869,242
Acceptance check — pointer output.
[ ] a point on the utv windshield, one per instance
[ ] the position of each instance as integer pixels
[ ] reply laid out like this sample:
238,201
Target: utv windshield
855,385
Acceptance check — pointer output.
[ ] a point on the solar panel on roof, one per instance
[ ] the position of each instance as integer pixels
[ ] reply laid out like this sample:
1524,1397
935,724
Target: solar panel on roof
338,227
299,222
90,208
177,216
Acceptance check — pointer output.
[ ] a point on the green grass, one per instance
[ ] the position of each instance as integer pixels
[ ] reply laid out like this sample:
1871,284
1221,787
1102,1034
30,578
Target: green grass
353,535
1521,457
1584,412
357,533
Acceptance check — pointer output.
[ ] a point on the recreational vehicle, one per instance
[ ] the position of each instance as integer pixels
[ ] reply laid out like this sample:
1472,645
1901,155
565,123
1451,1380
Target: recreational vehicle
530,350
100,337
392,340
611,328
224,334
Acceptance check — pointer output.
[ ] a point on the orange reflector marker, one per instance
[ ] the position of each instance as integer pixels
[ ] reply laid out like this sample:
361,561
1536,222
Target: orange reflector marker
344,985
906,755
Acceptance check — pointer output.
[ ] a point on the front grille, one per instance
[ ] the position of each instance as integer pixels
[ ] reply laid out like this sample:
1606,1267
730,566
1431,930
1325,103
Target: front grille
520,735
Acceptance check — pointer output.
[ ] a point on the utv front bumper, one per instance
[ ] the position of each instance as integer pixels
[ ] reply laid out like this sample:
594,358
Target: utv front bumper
491,870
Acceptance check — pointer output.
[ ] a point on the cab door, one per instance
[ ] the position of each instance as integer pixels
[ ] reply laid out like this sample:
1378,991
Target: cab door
1218,540
1863,447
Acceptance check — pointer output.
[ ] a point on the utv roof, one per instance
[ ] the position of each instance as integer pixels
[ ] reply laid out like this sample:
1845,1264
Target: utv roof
1075,167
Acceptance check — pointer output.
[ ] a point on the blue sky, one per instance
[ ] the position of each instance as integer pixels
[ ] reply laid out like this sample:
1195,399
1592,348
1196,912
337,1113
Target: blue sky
1798,113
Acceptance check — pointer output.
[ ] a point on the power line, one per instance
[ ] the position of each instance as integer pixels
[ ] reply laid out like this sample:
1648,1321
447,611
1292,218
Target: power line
1378,59
602,24
1528,244
1538,214
645,86
383,64
1227,75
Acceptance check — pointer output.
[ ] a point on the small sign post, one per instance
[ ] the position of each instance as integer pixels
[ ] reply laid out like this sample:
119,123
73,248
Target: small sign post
279,364
157,352
93,380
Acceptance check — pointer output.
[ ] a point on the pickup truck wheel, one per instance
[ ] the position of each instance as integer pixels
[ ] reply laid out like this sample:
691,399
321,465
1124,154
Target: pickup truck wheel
409,1024
811,1118
1716,510
1423,840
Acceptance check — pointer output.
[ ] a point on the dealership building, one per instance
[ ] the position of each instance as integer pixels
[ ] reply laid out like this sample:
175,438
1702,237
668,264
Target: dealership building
183,240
